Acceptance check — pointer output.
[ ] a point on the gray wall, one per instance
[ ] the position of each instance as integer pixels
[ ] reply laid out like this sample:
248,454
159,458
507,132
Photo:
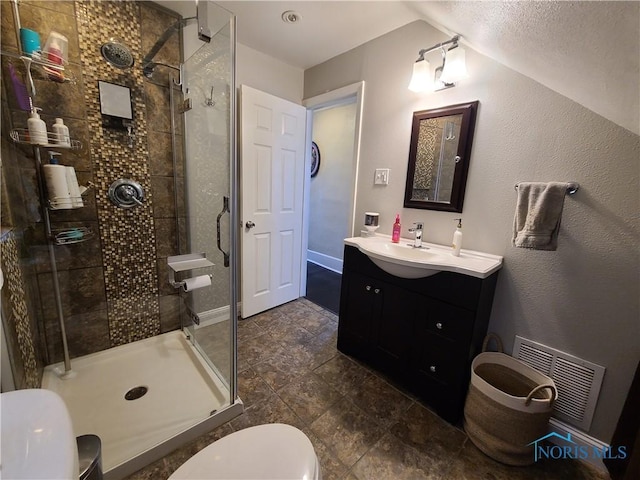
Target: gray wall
332,188
582,298
268,74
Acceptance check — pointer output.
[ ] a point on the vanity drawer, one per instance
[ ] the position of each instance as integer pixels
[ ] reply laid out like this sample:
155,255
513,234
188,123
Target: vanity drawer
438,359
448,321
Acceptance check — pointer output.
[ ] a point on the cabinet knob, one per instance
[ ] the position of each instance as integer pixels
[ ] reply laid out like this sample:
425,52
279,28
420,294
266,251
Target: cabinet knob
432,368
439,325
377,290
367,288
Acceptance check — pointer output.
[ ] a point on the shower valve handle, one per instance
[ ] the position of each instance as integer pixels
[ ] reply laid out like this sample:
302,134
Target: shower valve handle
126,193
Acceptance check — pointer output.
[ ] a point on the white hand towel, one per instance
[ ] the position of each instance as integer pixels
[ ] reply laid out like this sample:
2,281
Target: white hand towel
538,213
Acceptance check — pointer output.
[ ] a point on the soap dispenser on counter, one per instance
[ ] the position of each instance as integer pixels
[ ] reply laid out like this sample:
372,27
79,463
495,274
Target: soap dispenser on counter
456,244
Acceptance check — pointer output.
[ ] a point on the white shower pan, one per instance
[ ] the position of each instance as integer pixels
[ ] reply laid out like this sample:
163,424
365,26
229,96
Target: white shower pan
176,397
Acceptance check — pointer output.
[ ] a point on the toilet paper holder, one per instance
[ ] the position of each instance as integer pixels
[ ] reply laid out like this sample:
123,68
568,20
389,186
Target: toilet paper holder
194,283
190,261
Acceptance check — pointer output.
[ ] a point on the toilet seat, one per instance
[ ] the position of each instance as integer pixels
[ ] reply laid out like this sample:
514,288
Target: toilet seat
265,452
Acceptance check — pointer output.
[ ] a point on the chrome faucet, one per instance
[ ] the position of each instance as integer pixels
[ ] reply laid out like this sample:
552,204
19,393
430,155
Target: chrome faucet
417,231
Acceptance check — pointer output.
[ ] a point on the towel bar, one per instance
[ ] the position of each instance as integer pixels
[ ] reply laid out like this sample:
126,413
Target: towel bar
572,187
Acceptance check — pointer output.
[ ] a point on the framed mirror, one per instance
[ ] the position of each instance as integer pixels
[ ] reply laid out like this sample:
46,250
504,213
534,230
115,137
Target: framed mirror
439,157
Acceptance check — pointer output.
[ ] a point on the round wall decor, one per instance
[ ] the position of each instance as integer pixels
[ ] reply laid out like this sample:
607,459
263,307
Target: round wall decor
315,159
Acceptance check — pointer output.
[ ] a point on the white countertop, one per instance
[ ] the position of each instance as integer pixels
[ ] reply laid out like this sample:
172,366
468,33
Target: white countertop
403,260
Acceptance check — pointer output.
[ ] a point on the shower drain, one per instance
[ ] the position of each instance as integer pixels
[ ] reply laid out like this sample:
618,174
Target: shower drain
135,393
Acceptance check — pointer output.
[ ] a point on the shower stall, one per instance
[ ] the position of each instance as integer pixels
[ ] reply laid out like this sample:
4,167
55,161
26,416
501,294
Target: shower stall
125,306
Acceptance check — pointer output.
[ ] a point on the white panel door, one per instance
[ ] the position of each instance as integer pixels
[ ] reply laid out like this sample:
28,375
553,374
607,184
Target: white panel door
272,163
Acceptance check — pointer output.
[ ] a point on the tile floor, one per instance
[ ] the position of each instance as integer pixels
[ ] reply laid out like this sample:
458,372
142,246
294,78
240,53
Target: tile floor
362,427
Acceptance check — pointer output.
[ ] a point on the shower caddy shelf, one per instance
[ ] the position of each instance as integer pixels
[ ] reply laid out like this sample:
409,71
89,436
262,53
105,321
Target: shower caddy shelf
64,236
46,71
35,59
21,136
58,237
70,236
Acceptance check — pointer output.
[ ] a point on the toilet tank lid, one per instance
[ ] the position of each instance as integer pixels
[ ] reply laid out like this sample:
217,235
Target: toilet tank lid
272,451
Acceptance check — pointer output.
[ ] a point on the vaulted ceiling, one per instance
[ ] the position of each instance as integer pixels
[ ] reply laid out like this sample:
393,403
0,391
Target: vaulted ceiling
588,51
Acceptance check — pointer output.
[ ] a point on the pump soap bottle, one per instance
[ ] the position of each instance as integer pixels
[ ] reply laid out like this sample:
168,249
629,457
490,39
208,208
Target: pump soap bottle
456,244
395,236
37,128
61,131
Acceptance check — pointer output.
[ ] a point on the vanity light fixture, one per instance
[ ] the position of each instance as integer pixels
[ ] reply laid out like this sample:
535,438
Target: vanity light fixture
452,70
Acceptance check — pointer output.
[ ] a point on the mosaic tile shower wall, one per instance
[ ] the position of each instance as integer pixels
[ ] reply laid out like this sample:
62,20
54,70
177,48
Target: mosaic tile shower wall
128,235
16,314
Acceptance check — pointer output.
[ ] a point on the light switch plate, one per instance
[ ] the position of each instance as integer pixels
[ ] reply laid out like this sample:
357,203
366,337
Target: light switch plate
381,177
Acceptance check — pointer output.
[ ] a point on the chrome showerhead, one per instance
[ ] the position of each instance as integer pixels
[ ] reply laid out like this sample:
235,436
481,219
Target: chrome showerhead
117,54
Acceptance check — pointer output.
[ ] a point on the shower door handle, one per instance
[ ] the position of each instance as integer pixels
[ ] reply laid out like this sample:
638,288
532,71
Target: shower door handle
225,209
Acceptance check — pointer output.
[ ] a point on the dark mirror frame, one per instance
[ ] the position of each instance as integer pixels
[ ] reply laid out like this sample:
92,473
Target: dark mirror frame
467,127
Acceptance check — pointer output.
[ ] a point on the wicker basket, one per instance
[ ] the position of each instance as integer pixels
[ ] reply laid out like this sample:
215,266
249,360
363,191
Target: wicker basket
507,407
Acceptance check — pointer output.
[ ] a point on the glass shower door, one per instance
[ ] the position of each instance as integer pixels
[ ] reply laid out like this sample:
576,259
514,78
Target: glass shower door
209,136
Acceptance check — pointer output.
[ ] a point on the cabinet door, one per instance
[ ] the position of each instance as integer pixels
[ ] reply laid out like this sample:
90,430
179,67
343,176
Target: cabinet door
392,328
360,306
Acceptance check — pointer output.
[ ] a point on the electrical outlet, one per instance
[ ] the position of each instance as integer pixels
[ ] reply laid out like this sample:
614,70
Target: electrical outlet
381,177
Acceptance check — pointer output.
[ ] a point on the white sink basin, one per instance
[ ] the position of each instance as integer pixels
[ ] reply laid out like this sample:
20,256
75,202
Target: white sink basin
403,260
37,436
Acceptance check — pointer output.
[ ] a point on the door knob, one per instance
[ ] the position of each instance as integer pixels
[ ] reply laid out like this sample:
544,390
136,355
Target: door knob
249,224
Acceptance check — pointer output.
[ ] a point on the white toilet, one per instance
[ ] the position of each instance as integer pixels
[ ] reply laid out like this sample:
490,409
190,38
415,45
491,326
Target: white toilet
267,452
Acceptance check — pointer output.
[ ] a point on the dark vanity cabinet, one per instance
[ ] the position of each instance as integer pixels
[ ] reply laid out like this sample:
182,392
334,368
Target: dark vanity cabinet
422,332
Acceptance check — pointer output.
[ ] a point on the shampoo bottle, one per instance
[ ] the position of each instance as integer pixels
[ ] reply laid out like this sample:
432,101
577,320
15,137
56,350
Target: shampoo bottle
395,236
37,128
456,244
61,131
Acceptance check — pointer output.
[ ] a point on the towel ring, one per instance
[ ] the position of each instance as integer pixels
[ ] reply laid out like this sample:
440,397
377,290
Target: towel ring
572,187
